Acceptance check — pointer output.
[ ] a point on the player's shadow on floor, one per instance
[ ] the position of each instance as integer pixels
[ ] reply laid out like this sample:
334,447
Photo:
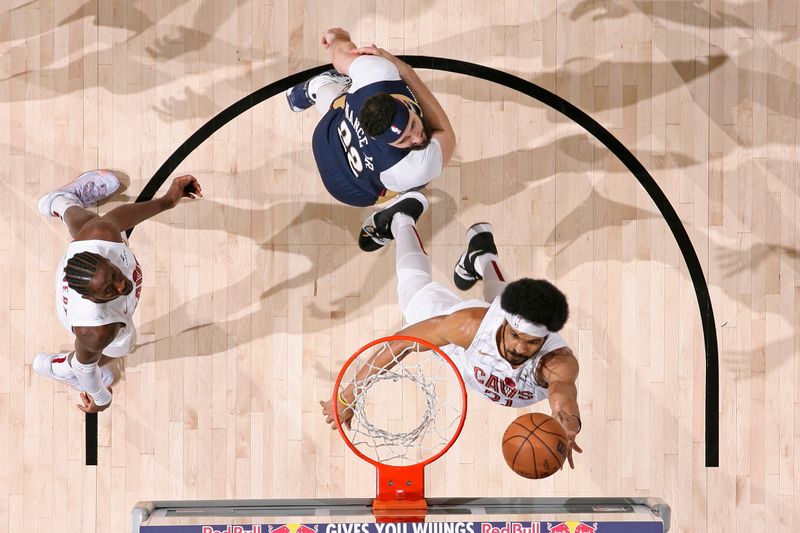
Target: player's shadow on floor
598,213
317,226
191,104
253,319
681,13
679,73
306,240
176,41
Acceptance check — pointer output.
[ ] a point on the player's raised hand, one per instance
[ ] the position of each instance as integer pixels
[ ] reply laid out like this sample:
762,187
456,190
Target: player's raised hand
331,35
572,426
185,186
345,415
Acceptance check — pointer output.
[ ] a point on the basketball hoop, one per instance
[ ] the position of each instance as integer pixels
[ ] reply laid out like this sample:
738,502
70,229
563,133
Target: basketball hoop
408,404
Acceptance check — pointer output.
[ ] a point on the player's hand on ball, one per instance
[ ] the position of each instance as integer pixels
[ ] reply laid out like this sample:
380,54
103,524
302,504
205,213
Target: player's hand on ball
572,446
89,406
572,426
345,415
182,187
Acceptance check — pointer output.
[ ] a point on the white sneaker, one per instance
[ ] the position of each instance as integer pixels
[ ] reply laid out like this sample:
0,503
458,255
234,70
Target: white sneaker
304,95
88,189
43,365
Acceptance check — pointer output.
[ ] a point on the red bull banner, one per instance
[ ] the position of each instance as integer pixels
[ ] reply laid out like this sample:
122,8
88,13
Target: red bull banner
570,526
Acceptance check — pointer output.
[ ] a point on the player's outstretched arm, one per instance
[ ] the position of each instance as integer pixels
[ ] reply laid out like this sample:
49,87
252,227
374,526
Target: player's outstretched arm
384,358
339,43
458,328
561,374
127,216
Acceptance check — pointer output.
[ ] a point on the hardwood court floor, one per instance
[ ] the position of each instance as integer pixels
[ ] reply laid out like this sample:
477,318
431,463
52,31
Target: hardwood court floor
255,295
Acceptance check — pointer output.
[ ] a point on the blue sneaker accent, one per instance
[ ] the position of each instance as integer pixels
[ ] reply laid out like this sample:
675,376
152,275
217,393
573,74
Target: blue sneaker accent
304,95
298,97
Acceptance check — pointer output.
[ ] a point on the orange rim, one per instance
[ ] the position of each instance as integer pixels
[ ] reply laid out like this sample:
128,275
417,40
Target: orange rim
422,342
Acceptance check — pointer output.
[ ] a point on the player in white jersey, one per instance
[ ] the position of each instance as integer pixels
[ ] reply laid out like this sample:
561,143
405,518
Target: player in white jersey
98,281
506,346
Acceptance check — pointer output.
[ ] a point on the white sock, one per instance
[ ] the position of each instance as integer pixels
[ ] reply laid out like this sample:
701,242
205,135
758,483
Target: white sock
90,378
62,368
494,281
413,265
482,261
399,220
62,202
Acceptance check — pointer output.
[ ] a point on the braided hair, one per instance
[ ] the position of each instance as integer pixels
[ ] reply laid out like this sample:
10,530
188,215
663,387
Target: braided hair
80,270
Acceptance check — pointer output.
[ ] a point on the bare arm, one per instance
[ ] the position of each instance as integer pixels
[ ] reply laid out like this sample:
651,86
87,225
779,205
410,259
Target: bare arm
338,42
434,116
458,328
127,216
561,372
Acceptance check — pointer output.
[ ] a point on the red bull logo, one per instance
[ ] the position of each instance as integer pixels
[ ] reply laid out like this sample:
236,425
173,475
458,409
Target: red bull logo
292,528
511,527
571,527
233,529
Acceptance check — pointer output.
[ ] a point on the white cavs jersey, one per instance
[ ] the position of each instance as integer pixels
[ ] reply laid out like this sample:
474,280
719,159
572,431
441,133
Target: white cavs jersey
74,310
485,370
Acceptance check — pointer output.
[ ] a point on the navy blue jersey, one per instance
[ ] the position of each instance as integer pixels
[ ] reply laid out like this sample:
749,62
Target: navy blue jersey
349,161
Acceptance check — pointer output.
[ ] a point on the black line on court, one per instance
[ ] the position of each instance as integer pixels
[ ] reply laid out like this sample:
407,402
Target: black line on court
568,110
91,439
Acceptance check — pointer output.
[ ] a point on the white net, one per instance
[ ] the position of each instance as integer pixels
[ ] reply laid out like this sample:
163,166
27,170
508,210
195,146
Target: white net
406,406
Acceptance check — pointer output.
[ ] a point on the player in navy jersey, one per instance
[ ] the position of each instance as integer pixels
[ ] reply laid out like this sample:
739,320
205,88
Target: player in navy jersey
381,130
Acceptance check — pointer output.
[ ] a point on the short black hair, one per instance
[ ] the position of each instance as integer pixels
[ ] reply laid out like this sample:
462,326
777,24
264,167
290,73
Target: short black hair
537,301
80,269
376,113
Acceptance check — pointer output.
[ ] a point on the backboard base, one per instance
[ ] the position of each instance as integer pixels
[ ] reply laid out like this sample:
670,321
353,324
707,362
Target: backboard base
443,515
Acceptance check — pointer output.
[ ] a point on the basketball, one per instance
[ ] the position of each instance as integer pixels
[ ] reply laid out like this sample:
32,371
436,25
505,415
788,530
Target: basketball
535,445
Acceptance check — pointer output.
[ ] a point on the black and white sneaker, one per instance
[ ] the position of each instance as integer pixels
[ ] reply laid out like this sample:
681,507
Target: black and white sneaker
376,230
304,95
481,241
